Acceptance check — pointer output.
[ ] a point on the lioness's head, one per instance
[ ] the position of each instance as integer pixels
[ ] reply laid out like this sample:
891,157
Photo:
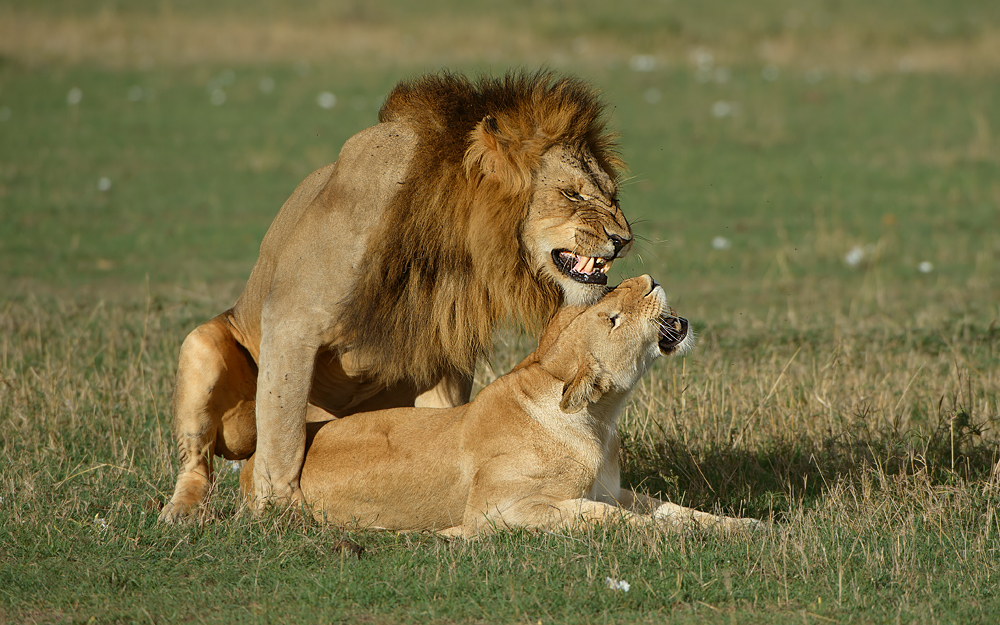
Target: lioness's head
604,348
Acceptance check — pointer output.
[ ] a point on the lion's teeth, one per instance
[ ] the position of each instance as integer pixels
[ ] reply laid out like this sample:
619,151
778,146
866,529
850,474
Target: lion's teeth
590,266
606,266
581,263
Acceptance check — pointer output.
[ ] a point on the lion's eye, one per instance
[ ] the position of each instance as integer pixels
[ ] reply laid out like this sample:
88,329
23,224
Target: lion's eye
572,196
614,320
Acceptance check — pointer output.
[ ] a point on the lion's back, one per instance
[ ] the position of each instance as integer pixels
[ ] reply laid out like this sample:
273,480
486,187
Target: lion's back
322,229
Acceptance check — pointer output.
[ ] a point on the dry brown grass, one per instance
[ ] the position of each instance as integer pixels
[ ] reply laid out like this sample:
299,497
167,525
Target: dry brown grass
111,39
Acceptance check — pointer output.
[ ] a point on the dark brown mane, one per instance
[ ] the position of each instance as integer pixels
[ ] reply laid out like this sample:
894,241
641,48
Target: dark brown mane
446,266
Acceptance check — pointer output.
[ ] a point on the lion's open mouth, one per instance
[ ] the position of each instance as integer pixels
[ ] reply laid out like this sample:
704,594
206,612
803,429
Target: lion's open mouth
673,331
583,269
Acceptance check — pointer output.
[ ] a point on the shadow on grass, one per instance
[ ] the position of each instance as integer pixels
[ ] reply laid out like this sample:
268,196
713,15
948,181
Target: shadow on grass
764,481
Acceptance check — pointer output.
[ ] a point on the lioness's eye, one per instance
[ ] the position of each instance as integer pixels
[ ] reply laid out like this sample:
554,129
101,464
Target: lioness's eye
572,196
614,320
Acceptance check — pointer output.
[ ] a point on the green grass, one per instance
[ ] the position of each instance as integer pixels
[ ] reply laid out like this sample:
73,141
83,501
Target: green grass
854,408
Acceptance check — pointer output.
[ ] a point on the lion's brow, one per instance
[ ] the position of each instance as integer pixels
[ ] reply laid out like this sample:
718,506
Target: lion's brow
589,165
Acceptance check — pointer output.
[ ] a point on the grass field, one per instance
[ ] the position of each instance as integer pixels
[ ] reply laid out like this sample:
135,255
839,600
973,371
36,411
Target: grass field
816,184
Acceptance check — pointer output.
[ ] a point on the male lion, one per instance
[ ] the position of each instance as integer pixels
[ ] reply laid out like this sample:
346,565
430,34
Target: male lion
384,276
536,448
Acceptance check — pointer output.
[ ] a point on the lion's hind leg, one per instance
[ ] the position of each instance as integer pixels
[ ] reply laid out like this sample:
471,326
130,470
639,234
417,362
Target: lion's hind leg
213,408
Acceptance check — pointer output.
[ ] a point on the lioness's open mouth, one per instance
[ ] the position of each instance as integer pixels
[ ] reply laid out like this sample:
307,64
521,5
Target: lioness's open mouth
673,331
584,269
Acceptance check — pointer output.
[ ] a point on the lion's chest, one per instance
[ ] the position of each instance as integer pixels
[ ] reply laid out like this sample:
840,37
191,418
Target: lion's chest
340,391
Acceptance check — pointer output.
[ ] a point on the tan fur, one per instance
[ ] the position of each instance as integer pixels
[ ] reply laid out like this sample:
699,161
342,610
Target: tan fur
384,276
537,448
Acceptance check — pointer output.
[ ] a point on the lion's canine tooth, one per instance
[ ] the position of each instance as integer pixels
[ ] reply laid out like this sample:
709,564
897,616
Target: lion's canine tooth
581,262
590,266
607,266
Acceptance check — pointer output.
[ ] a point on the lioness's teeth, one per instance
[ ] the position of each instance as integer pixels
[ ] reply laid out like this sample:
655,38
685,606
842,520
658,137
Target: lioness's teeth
590,266
581,262
607,266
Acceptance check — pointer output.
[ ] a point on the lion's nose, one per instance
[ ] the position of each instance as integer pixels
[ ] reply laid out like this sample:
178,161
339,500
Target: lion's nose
618,241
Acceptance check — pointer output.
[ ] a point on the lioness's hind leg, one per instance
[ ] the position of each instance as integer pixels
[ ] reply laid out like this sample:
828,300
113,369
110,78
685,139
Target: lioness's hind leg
213,410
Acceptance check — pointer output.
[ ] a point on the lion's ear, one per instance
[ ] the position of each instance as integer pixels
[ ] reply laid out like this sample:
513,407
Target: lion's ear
586,387
498,156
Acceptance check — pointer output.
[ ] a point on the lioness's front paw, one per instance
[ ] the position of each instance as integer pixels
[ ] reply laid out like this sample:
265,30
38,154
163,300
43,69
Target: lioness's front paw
680,517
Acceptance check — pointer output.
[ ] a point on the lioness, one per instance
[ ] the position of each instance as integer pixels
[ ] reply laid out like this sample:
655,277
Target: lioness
537,448
384,276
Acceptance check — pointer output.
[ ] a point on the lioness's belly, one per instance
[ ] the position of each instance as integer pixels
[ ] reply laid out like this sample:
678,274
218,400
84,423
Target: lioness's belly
395,469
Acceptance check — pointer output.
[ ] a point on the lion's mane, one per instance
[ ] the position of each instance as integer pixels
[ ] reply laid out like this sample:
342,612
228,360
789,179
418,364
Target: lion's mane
444,269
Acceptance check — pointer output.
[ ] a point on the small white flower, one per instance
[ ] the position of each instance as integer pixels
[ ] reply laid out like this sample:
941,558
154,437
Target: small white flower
218,97
266,84
642,63
104,183
100,523
326,100
652,95
722,109
234,466
770,73
134,93
74,96
854,257
925,267
721,243
617,584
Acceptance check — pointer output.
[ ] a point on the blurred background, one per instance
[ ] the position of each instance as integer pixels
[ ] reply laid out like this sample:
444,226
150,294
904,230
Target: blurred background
778,150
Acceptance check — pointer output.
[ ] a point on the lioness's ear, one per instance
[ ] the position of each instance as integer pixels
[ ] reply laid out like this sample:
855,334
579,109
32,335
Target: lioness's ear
586,387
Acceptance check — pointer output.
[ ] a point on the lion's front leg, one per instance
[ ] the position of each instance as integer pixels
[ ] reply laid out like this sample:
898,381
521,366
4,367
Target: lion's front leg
287,359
